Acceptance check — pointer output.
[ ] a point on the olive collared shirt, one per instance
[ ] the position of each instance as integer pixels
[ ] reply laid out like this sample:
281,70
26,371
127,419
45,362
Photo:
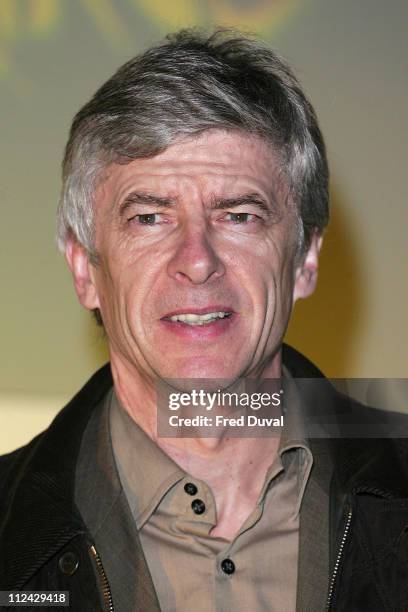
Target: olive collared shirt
190,569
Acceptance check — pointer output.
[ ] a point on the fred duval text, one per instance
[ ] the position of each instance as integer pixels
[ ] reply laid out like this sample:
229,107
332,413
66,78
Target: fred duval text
245,420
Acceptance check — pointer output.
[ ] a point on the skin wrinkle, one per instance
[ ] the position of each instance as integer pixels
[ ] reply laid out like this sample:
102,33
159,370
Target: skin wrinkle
279,176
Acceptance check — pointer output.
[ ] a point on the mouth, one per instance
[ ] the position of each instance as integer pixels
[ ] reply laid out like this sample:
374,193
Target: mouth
191,318
211,319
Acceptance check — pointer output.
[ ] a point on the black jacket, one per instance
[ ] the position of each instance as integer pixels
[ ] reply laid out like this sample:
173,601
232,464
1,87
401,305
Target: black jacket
44,544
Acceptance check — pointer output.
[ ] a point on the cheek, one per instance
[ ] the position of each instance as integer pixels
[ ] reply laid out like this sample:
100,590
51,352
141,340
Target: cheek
276,268
133,293
286,284
111,290
108,307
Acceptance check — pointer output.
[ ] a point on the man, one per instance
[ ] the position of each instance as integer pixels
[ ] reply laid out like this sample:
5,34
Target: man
193,205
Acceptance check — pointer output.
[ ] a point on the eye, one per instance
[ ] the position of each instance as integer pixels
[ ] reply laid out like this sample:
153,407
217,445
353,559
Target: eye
241,217
146,218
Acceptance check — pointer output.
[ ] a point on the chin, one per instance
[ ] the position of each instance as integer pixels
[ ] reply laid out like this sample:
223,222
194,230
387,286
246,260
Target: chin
209,372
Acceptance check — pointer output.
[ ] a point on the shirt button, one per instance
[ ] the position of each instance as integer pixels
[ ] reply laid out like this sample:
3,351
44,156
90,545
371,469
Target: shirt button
228,566
68,563
198,506
190,488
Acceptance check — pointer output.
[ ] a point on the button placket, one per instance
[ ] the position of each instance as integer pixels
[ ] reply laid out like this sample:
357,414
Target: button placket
202,507
198,506
228,566
190,488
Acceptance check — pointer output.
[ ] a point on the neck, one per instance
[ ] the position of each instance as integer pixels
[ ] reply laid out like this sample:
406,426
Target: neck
233,467
137,393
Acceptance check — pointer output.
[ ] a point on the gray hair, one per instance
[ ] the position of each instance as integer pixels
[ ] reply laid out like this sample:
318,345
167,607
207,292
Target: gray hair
187,84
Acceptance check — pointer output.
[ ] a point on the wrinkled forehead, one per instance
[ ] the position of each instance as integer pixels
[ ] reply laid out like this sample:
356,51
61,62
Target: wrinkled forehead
214,163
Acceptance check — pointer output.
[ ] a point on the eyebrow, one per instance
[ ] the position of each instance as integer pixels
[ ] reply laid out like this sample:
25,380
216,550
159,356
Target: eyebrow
137,197
248,198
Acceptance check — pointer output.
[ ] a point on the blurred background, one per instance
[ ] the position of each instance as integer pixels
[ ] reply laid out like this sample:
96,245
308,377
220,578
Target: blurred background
352,60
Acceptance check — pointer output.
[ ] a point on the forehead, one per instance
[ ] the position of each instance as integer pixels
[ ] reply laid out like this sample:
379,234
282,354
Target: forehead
214,161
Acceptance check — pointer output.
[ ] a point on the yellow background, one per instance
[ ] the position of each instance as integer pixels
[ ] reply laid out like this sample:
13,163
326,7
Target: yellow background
352,60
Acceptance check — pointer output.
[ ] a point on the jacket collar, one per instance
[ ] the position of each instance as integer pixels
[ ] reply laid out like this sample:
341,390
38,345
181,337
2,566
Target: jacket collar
372,466
369,465
37,512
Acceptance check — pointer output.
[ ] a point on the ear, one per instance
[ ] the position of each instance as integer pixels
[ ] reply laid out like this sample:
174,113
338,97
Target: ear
83,273
306,272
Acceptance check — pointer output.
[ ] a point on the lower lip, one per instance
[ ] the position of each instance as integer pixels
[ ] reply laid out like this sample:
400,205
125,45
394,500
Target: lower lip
199,332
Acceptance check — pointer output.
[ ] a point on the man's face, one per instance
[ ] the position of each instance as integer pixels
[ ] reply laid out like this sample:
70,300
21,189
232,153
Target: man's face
196,274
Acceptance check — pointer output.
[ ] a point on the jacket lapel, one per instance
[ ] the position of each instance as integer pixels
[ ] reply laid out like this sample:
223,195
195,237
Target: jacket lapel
105,510
313,561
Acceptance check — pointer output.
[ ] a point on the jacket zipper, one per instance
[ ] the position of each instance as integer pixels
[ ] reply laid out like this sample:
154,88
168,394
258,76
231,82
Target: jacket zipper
338,560
106,592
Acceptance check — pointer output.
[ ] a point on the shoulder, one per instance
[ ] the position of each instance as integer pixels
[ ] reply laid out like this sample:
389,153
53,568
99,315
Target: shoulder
366,444
58,445
11,465
298,365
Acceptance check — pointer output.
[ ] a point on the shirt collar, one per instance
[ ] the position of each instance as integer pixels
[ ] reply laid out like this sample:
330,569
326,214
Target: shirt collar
149,473
294,434
145,471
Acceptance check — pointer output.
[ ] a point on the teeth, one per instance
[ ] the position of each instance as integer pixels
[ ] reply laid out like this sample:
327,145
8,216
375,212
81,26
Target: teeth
195,319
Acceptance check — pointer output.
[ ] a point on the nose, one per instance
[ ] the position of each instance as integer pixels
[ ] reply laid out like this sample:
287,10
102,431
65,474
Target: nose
195,260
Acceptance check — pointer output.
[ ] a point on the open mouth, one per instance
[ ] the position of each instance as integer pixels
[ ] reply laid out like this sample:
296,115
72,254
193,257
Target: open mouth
194,319
196,324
